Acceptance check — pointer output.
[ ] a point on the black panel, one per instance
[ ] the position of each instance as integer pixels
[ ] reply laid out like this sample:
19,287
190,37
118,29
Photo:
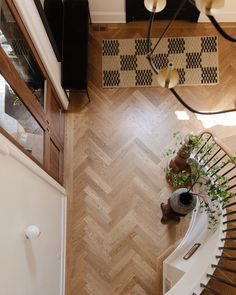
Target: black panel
75,44
48,28
135,10
54,13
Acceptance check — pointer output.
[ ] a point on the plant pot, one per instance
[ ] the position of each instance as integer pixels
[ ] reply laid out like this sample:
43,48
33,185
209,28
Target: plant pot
182,201
180,161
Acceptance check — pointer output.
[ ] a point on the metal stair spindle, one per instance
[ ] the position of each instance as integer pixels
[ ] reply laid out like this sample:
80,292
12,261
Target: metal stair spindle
209,160
220,160
229,239
229,221
231,169
216,163
202,147
227,248
226,257
206,153
219,279
229,229
229,213
220,168
229,179
229,205
210,290
229,188
223,268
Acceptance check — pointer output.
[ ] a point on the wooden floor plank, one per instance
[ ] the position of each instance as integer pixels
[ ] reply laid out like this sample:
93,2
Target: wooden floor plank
114,170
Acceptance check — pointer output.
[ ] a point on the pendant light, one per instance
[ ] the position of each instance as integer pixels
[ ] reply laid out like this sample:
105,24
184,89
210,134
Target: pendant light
169,77
210,7
155,5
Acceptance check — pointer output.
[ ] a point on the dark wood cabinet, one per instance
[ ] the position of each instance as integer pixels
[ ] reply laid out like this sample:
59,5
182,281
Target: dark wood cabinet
53,10
55,119
55,115
40,131
75,44
56,156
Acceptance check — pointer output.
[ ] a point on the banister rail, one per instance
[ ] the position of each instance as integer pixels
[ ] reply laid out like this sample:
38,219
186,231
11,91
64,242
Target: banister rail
212,268
215,156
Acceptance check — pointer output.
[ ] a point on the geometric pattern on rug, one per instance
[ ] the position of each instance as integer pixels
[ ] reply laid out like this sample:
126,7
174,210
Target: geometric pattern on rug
124,62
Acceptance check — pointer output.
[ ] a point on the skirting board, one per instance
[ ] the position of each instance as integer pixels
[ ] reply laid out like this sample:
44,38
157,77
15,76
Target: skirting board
107,17
120,17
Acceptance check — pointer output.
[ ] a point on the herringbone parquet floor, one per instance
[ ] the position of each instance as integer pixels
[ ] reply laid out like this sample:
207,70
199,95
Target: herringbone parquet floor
115,180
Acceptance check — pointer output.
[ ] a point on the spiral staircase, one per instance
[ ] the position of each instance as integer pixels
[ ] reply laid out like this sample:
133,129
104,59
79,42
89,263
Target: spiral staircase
223,280
211,269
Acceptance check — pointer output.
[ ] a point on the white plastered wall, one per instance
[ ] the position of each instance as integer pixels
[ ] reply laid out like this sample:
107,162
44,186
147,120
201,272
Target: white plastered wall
35,28
113,11
227,14
107,11
30,196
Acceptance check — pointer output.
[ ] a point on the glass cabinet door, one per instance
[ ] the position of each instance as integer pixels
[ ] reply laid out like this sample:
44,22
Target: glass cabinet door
17,121
17,49
31,115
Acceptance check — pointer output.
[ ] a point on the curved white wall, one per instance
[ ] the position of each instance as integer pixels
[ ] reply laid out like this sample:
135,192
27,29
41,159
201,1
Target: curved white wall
228,13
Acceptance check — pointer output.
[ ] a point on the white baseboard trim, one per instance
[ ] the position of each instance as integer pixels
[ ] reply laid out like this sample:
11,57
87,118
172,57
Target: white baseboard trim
108,17
226,17
63,244
120,17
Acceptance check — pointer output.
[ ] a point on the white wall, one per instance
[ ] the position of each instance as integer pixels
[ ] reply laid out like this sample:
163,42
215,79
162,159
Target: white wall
113,11
107,11
35,28
228,13
29,196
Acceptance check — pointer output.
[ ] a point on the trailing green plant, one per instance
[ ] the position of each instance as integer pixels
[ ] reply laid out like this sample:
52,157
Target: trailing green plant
14,96
38,93
190,141
178,180
210,186
16,100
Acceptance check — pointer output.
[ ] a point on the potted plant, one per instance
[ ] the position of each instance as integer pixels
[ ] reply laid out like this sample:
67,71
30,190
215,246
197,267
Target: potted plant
181,160
181,202
186,172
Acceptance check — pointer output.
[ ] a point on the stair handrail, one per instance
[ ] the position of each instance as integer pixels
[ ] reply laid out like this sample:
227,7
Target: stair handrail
217,161
227,153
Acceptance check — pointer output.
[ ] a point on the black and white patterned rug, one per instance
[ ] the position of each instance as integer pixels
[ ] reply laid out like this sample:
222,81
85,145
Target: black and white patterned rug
124,62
